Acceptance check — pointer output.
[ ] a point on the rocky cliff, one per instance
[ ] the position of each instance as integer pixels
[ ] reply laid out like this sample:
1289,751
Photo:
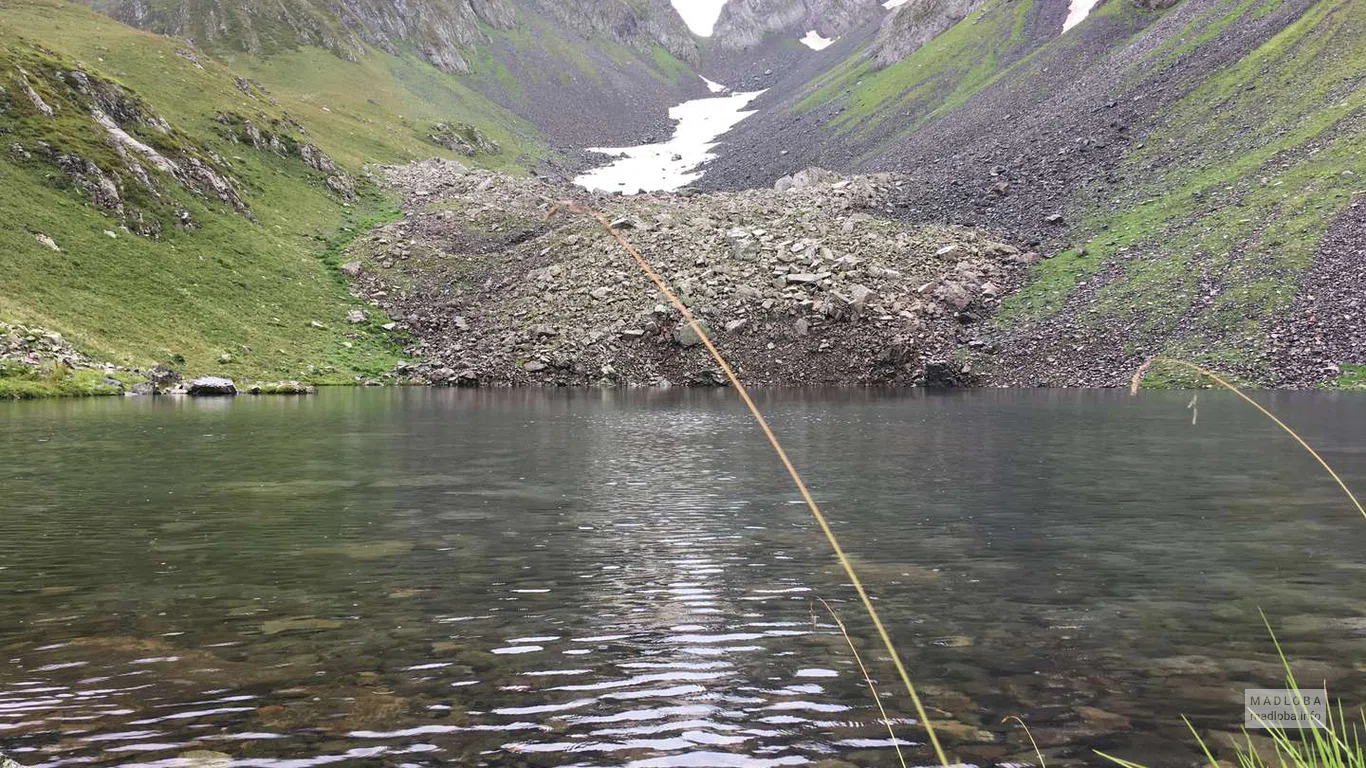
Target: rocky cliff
446,34
626,60
916,23
746,23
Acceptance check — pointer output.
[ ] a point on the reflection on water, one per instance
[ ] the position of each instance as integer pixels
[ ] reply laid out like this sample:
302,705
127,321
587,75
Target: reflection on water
415,578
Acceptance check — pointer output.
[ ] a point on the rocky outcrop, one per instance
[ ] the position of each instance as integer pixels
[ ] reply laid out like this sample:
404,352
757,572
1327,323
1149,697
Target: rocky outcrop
917,22
211,386
36,347
283,137
584,72
463,138
746,23
443,33
804,286
639,25
125,157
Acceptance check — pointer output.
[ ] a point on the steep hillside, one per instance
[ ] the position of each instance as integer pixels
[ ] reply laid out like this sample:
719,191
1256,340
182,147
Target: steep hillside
744,24
601,79
163,208
1192,170
629,60
757,44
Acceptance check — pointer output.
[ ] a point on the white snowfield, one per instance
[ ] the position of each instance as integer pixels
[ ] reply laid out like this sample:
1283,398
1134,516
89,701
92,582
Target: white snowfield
1077,11
674,163
815,42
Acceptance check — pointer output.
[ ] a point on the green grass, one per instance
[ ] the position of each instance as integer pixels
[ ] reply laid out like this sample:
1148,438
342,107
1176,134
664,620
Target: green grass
1353,377
1208,25
670,67
533,39
21,382
359,112
937,77
1338,744
231,285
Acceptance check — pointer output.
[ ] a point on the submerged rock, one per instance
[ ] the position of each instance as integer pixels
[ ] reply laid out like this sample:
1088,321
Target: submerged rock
203,758
302,624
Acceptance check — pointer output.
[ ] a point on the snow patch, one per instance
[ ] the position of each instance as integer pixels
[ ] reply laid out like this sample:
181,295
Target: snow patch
699,15
714,86
1077,11
890,4
815,42
674,163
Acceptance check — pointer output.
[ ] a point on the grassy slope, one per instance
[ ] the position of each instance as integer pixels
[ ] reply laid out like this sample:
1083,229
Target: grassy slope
246,289
534,39
1240,182
937,77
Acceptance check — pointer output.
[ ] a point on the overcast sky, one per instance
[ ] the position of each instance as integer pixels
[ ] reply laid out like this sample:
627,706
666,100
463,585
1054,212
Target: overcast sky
699,14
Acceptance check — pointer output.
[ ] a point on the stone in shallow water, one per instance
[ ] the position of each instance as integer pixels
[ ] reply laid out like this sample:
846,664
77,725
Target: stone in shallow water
957,732
1103,719
203,758
1176,666
302,624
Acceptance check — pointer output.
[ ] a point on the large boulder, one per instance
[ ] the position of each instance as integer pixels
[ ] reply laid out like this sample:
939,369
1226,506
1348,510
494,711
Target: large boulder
685,336
211,386
807,177
946,374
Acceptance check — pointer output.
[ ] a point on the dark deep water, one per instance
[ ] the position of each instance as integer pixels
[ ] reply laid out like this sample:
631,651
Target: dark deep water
518,578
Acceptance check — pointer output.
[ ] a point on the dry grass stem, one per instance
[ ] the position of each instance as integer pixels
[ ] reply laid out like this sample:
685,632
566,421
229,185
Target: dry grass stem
1138,376
867,679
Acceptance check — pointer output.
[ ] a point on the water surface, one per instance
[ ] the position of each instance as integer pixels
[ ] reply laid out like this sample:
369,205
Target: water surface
424,577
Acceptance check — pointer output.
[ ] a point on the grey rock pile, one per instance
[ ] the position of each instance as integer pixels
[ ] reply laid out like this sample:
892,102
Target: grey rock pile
37,347
801,286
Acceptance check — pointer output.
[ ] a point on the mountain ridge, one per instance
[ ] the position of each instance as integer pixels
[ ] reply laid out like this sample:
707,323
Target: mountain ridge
1178,179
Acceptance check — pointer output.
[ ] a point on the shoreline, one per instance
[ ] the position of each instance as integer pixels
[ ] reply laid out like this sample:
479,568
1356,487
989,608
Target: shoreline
318,388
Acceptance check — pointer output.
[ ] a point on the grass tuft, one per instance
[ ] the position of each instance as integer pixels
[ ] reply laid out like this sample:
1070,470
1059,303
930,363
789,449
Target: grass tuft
1338,744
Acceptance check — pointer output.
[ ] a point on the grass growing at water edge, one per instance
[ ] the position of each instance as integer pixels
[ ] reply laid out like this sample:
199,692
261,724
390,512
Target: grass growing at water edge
1353,377
20,382
1338,744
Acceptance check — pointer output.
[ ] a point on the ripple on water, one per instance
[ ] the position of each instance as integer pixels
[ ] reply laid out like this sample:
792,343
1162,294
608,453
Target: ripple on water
330,623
